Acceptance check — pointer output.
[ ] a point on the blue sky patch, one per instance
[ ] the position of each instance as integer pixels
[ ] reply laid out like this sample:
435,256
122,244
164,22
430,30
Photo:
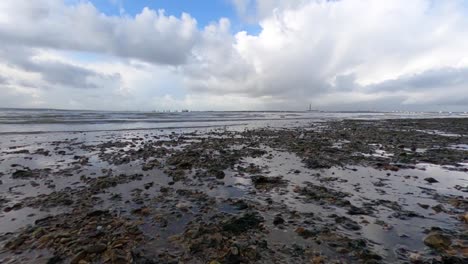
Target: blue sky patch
205,12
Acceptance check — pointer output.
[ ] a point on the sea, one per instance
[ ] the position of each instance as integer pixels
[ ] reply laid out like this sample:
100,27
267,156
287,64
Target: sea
30,121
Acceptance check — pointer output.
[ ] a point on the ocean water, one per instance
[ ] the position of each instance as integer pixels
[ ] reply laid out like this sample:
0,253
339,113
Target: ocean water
17,121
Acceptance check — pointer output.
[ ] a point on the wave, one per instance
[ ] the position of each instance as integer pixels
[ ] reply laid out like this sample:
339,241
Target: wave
116,130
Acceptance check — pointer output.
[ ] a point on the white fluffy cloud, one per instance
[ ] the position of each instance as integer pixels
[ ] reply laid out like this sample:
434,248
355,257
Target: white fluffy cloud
150,36
358,51
347,54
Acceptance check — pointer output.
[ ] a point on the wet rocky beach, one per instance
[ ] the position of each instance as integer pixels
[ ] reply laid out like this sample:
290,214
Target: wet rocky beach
338,191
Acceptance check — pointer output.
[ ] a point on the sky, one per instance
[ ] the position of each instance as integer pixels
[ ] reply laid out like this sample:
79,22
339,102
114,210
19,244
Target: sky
149,55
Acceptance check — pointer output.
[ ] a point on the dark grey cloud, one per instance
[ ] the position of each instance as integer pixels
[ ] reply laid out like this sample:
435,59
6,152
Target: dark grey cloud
3,80
51,71
442,78
70,75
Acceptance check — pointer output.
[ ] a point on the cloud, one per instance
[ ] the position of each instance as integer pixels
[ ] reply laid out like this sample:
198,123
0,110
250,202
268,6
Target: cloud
18,96
3,80
309,50
53,72
347,54
150,36
254,11
431,79
216,67
70,75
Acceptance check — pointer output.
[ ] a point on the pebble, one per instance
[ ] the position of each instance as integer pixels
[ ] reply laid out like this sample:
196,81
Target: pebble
431,180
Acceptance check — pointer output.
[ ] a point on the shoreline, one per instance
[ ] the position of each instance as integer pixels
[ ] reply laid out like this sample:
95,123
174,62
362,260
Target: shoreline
374,191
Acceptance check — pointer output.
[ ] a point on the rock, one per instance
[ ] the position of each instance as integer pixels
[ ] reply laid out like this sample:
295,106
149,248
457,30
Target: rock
144,211
148,185
402,252
342,250
66,201
15,243
437,241
313,163
240,205
430,180
34,184
183,206
96,213
278,220
242,224
261,181
21,174
454,260
234,251
43,221
438,208
406,214
219,174
461,188
424,206
323,194
22,151
391,167
251,253
151,165
465,218
369,256
415,258
353,210
98,248
347,223
39,232
318,260
305,233
78,256
55,260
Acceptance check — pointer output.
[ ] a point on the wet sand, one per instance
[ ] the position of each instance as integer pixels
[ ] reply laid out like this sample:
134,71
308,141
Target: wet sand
351,191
